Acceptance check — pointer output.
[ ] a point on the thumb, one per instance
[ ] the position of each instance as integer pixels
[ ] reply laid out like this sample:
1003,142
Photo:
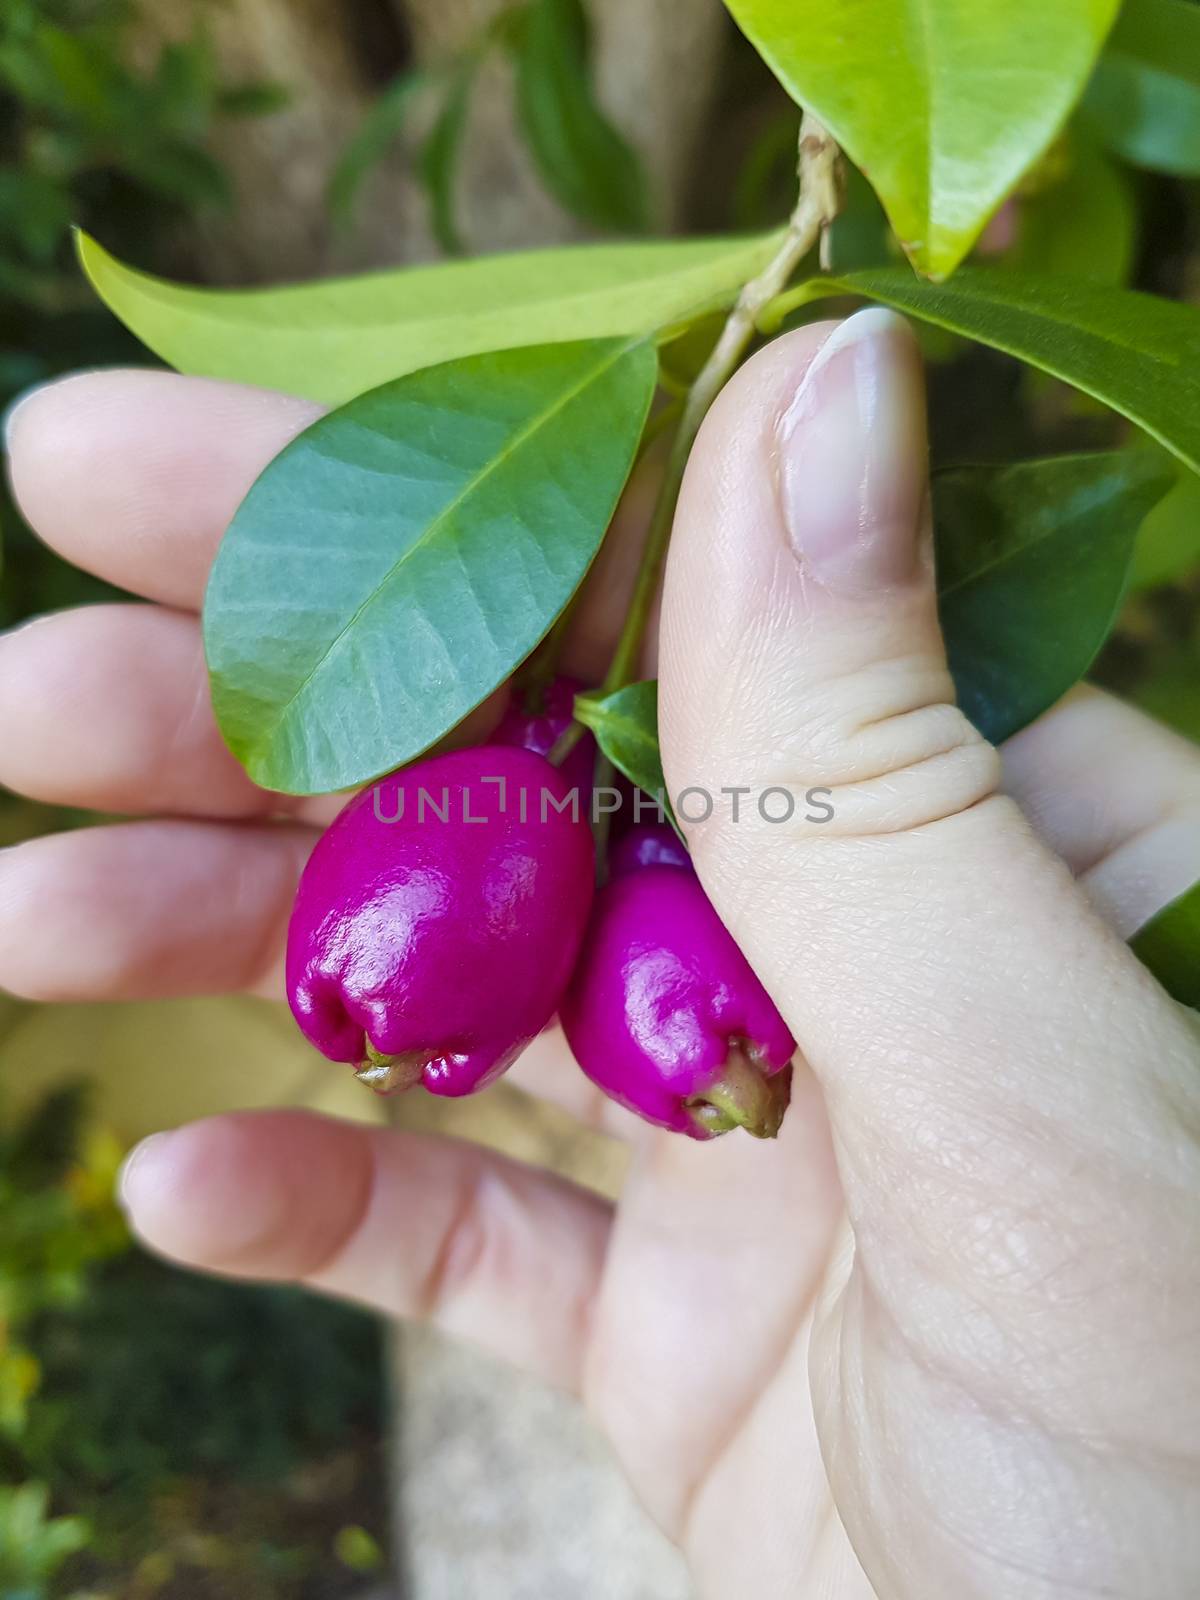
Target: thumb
950,986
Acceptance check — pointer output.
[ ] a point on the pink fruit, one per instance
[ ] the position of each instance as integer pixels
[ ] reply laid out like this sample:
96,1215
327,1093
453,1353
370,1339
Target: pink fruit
439,918
665,1014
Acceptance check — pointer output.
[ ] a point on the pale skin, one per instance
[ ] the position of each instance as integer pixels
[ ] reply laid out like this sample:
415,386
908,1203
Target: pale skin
941,1341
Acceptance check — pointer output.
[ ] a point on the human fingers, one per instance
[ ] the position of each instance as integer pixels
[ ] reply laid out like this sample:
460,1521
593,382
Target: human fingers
135,475
147,909
412,1226
1007,1085
1117,795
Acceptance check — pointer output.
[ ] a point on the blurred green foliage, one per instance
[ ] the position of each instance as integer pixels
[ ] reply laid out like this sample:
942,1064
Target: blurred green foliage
159,1426
85,133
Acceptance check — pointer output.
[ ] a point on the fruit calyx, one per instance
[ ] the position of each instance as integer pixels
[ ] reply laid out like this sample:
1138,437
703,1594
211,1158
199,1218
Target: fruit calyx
743,1095
391,1074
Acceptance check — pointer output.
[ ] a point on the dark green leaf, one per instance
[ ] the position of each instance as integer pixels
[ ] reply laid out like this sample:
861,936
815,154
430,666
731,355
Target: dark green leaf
765,187
440,156
1170,946
1032,565
586,163
1143,102
379,130
1135,352
626,727
34,210
1082,227
180,171
252,99
944,105
860,236
405,553
1032,561
185,85
334,339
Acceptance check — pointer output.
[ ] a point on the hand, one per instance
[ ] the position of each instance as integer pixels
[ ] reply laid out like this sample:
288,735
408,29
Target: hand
957,1328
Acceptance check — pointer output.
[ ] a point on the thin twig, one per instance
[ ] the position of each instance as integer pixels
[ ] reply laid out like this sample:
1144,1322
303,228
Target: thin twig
815,209
817,206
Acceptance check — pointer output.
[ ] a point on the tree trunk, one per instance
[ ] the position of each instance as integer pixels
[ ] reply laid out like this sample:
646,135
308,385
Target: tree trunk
656,65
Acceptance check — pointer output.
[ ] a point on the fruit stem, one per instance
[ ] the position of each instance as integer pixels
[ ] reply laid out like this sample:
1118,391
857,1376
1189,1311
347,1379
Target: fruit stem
743,1096
818,204
391,1074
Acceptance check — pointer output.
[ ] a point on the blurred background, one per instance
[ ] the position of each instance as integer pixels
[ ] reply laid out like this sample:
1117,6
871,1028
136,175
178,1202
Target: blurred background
168,1436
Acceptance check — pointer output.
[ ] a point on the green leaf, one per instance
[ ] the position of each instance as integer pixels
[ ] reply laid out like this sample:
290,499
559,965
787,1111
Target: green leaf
587,164
332,340
1143,102
626,727
1170,946
1032,565
379,129
1083,227
1134,352
944,105
1032,562
405,553
441,152
253,99
1168,545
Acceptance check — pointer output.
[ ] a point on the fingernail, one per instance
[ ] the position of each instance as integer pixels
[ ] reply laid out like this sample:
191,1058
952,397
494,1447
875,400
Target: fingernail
853,456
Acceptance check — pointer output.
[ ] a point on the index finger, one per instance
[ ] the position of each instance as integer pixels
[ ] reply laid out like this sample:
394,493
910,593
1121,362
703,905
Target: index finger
134,475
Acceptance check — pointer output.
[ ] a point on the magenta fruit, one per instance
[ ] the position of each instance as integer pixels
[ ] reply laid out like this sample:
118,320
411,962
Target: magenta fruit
666,1015
540,730
439,918
652,844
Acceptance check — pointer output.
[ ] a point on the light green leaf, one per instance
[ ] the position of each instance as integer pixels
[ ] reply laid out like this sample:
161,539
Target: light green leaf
1083,227
332,340
1168,546
626,727
1170,947
1143,102
586,162
944,104
1032,561
395,563
1134,352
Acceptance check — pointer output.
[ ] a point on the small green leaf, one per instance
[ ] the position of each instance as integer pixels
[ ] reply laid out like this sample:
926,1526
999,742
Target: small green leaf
1134,352
329,341
626,727
1032,565
1168,545
440,156
405,553
1032,561
378,131
1143,102
1170,946
586,162
944,105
